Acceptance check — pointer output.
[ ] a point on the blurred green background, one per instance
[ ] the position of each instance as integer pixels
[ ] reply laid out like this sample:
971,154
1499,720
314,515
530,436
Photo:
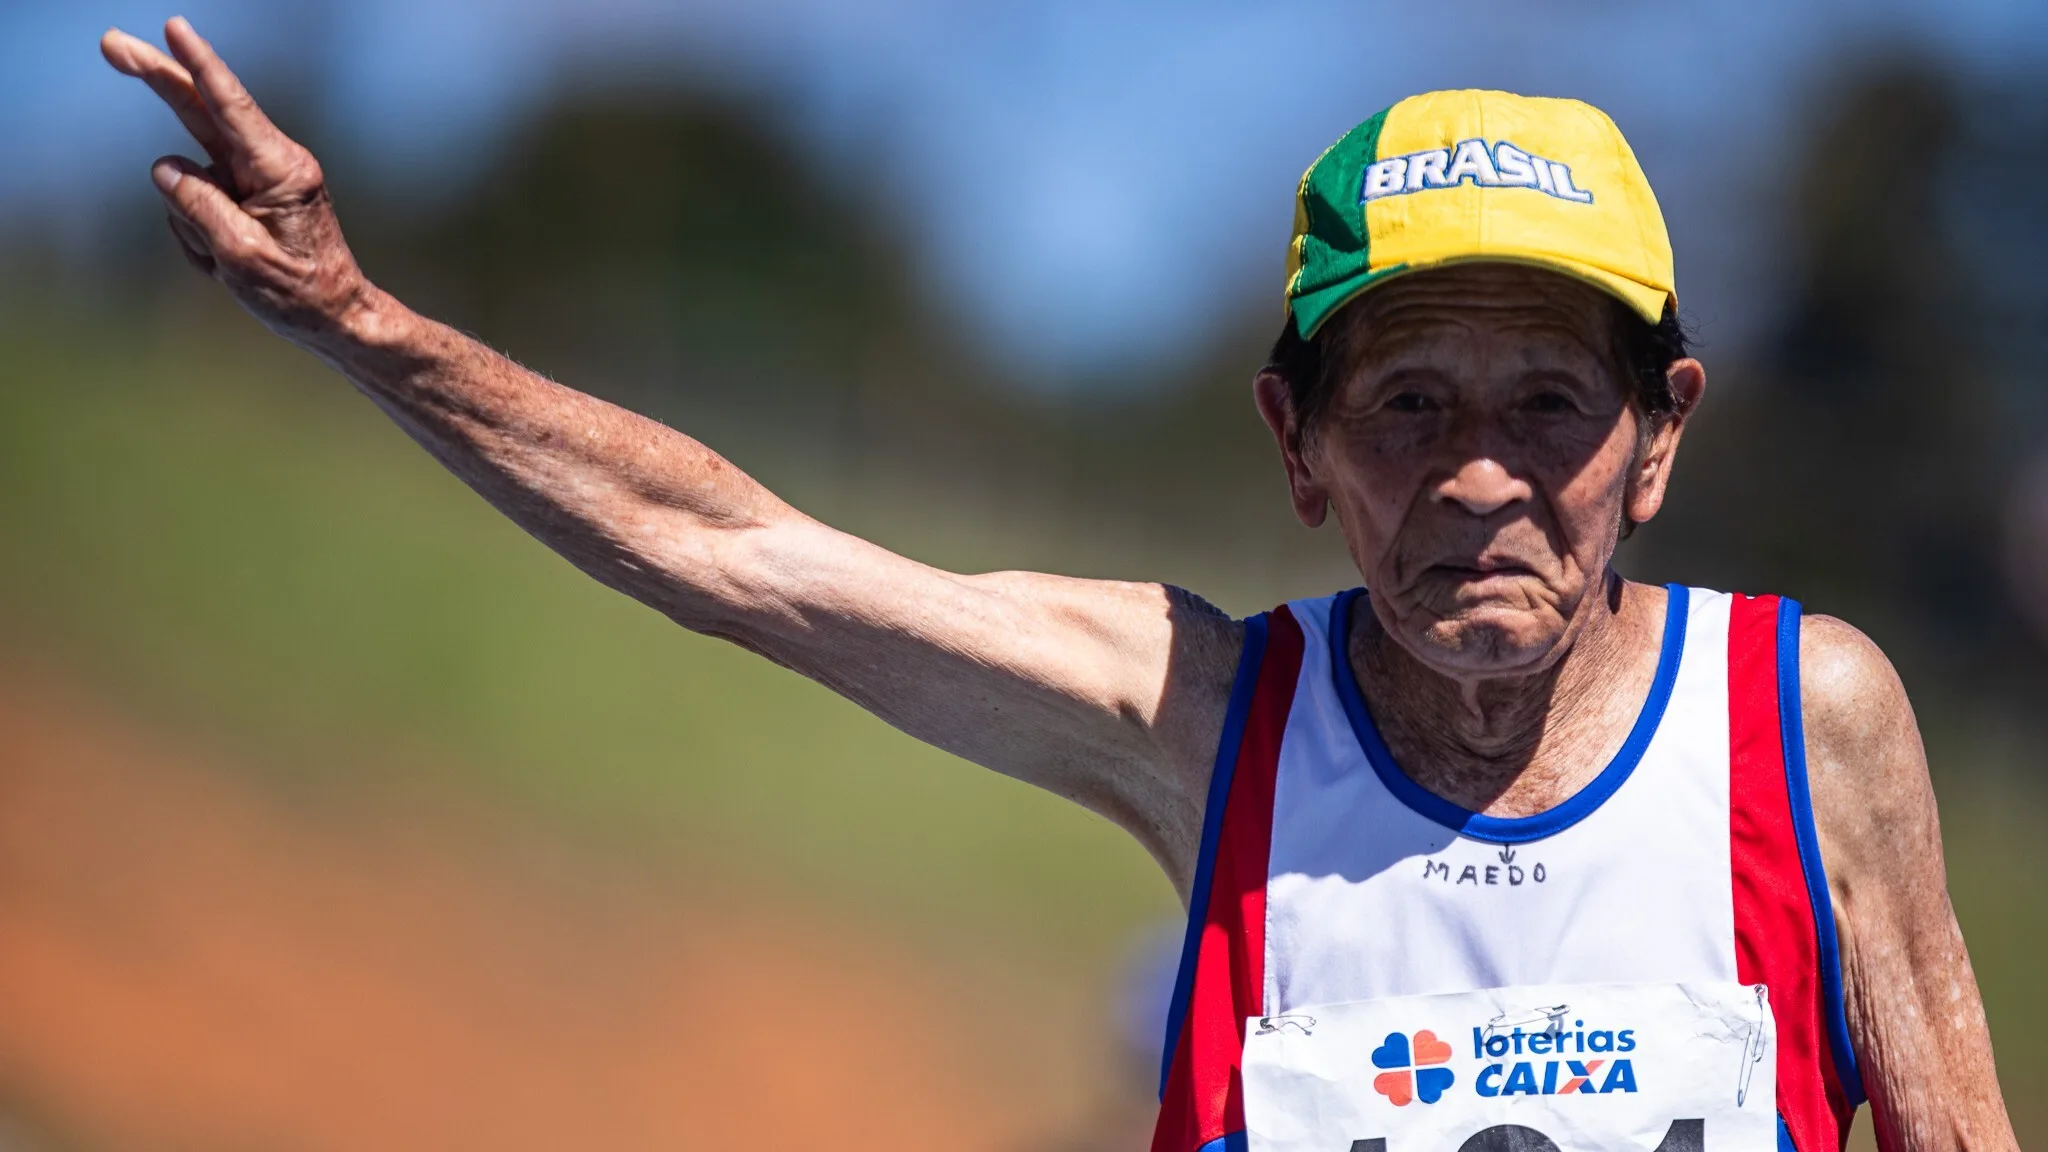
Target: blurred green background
208,544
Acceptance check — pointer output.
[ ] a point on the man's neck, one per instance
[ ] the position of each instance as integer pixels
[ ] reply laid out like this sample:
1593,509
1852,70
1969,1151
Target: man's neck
1520,744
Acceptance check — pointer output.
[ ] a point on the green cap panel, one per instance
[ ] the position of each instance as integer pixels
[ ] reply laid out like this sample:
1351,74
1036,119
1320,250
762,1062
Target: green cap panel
1334,249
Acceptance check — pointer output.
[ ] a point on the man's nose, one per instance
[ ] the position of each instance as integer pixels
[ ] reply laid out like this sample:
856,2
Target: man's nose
1483,485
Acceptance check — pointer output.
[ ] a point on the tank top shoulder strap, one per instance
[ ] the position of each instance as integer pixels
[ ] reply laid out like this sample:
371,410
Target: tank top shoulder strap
1784,919
1222,970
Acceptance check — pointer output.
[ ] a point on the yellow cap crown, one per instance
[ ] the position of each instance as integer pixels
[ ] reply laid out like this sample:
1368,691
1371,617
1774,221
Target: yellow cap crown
1455,177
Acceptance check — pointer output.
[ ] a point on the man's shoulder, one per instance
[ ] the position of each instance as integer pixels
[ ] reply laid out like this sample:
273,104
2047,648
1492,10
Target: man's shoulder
1865,763
1851,698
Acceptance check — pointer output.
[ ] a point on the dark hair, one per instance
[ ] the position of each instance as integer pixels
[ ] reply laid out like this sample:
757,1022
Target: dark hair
1644,352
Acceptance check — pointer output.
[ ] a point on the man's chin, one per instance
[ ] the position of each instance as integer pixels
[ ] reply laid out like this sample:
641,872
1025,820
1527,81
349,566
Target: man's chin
1488,646
1490,626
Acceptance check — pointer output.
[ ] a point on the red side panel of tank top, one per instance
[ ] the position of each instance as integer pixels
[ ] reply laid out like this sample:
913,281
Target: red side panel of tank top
1777,942
1204,1097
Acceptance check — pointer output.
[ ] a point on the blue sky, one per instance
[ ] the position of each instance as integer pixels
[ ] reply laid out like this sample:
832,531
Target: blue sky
1088,179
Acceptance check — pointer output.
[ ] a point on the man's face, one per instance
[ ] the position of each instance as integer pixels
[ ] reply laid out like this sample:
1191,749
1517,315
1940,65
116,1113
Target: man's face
1479,453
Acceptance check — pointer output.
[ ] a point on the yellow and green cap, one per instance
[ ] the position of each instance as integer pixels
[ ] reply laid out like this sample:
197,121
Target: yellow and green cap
1458,177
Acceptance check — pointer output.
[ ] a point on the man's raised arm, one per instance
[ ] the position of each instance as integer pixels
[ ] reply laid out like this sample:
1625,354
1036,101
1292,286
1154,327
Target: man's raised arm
1109,694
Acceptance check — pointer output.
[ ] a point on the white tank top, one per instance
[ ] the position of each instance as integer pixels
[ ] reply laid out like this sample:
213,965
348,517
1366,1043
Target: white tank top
1378,888
1327,875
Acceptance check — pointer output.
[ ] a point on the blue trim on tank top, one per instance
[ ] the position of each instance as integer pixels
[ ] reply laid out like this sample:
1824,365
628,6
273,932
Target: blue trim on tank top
1501,829
1792,728
1228,1142
1241,692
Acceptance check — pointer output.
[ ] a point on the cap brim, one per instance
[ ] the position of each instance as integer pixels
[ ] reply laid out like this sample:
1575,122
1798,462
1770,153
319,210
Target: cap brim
1312,309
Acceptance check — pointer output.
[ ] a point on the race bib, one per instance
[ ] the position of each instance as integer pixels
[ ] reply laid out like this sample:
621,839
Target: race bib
1544,1068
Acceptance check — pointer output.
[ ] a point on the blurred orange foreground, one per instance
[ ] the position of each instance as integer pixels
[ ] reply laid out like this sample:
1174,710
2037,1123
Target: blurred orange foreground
187,963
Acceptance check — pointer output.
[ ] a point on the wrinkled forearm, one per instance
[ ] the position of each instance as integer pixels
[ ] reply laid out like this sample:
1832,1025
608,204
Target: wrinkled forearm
1921,1036
635,504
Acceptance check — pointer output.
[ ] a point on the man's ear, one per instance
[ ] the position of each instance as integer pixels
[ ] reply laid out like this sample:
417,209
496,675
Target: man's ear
1652,475
1276,406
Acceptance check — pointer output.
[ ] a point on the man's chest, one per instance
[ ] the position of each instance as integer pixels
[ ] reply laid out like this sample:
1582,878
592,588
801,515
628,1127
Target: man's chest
1366,897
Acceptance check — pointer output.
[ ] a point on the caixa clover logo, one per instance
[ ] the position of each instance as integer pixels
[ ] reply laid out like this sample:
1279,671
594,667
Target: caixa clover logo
1413,1070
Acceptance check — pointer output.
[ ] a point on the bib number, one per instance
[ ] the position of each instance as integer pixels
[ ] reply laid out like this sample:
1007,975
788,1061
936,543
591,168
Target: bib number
1682,1136
1550,1068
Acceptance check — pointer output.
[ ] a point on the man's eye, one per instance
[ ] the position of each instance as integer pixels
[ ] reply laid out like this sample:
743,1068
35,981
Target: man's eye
1411,402
1549,403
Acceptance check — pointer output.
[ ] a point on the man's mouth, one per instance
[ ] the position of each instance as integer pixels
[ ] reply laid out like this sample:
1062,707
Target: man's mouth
1484,570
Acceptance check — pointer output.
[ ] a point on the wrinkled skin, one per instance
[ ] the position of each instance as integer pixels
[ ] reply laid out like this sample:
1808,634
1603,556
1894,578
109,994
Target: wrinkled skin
1479,452
1477,455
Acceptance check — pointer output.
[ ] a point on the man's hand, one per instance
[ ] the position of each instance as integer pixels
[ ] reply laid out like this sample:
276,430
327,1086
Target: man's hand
257,218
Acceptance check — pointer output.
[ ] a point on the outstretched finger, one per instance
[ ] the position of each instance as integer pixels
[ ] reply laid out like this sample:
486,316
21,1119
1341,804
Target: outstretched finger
252,138
135,57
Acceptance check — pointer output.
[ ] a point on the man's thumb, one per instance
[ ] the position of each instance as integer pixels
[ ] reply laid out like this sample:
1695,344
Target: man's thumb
194,195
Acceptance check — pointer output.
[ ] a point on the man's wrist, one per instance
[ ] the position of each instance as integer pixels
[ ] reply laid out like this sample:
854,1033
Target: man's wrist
370,319
368,327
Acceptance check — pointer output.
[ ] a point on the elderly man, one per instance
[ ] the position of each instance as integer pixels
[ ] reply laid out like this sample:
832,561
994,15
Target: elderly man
1507,853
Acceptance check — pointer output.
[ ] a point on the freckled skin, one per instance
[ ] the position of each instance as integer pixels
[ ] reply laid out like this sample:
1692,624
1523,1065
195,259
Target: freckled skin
1478,454
1479,460
1480,429
1915,1016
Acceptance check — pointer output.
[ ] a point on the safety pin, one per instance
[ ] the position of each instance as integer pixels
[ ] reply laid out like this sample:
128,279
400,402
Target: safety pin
1752,1049
1300,1022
